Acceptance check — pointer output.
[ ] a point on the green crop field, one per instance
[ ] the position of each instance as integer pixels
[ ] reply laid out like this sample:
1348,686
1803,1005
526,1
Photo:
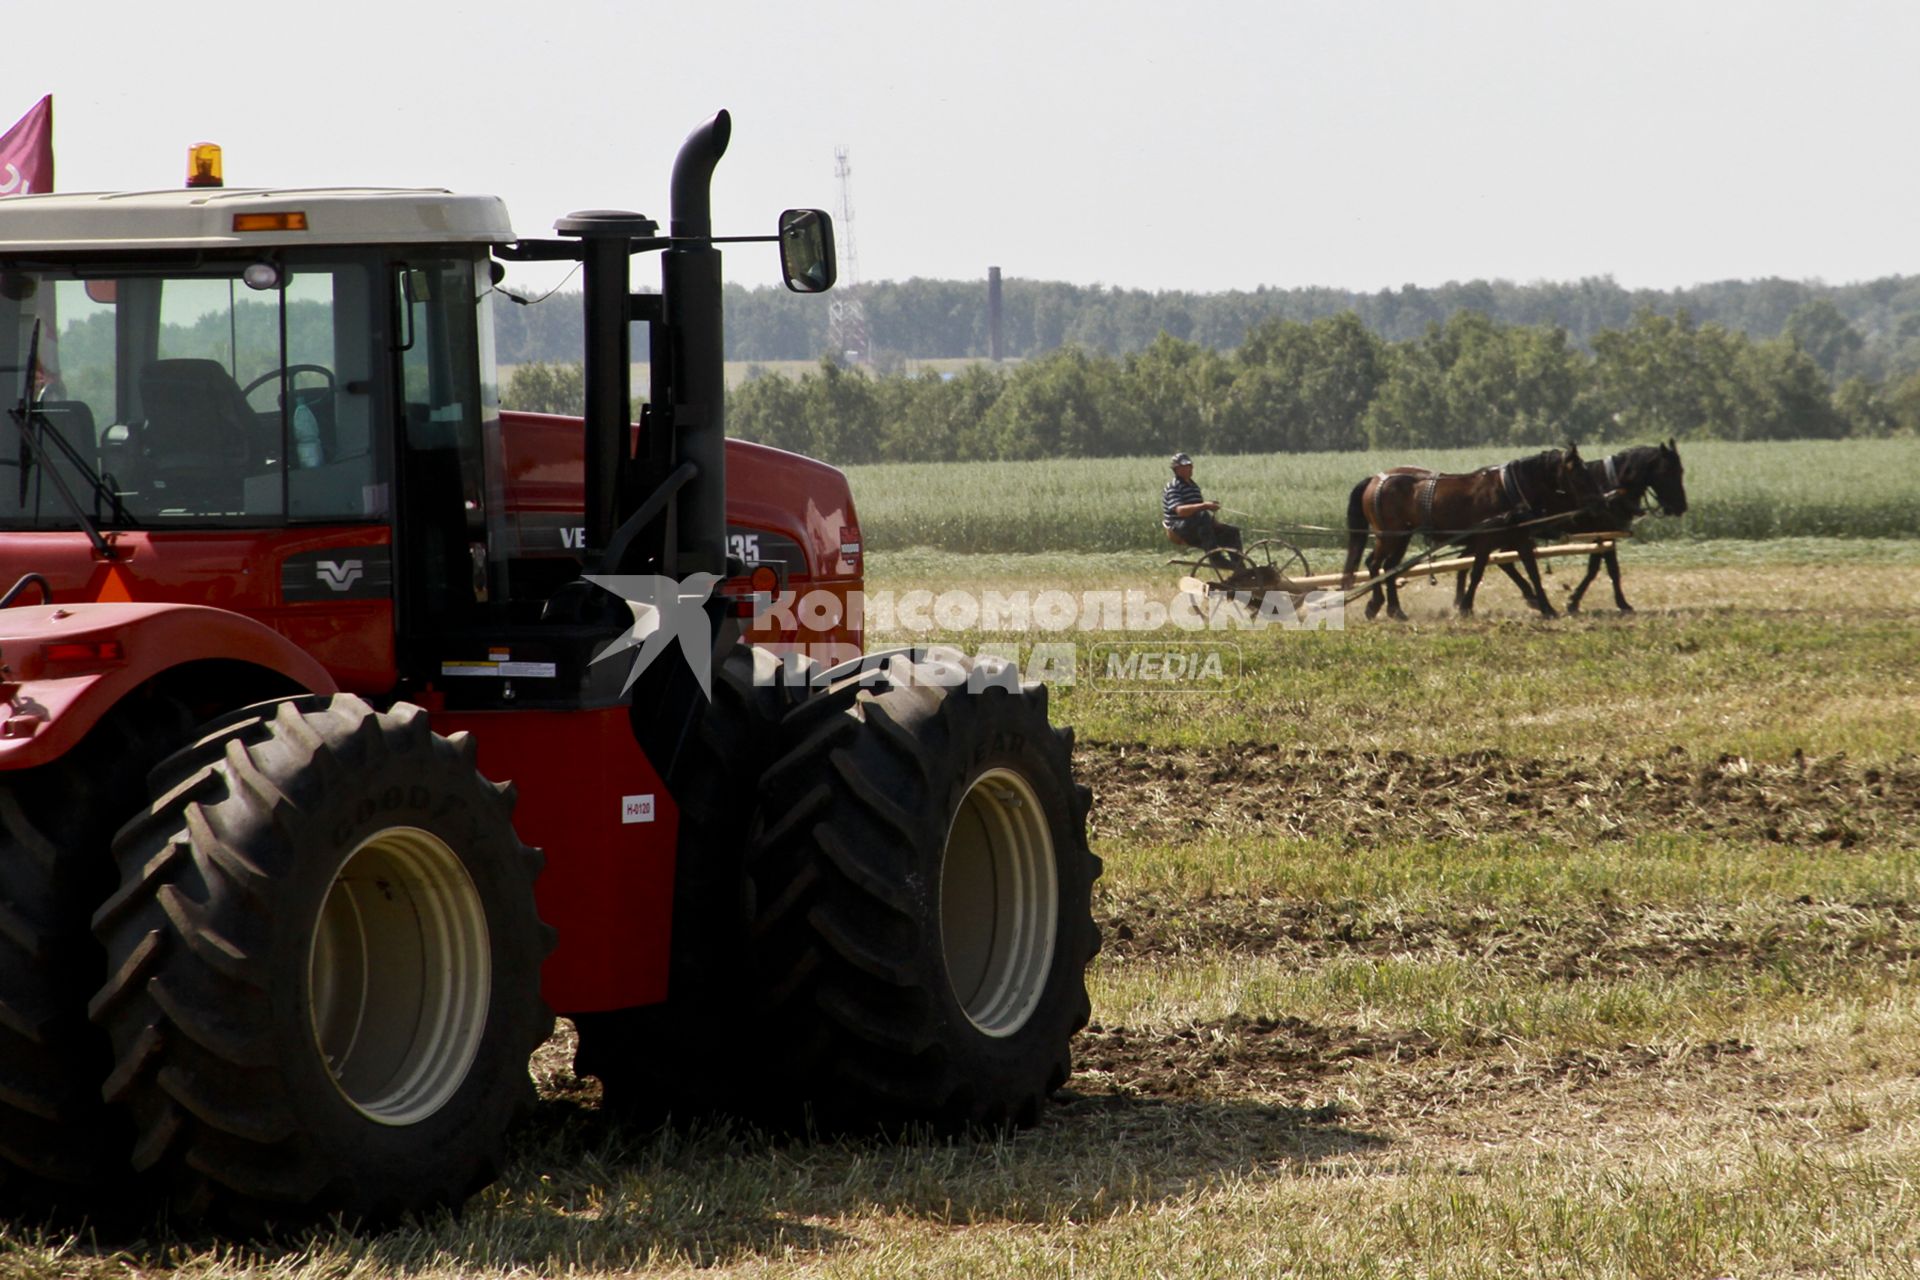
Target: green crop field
1853,488
1443,949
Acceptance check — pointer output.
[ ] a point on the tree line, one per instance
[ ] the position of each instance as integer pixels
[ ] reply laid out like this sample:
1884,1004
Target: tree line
1326,384
1872,328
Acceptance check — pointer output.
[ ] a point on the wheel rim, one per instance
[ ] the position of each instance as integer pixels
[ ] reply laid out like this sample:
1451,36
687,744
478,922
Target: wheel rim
1281,563
400,976
999,902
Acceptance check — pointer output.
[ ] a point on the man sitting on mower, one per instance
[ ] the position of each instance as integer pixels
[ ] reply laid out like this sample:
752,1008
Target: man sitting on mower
1188,517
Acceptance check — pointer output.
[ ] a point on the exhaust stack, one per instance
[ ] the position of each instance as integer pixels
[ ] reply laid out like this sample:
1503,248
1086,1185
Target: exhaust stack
696,375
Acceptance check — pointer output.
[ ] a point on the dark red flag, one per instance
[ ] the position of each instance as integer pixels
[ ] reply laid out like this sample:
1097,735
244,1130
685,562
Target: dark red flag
26,152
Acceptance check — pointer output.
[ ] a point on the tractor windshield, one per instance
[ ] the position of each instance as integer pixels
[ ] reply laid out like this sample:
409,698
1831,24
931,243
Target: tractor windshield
200,392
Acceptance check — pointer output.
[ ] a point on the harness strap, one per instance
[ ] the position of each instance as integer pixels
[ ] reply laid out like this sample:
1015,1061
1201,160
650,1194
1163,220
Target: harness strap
1423,497
1370,499
1613,473
1510,485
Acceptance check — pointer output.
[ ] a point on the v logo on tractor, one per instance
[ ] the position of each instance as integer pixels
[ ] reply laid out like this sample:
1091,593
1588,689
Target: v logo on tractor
340,574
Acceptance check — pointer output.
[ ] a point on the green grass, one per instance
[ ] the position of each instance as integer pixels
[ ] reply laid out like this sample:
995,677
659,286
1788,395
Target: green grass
1521,942
1761,684
1758,649
1499,875
904,568
1828,489
1455,1002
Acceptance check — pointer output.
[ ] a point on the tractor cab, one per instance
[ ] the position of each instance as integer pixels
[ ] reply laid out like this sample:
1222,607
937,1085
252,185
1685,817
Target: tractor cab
235,359
303,383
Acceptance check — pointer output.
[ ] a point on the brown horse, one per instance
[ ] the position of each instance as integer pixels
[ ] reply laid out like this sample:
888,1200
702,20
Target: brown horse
1493,509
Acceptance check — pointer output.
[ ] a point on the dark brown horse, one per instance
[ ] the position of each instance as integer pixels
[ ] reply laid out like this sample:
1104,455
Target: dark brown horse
1625,478
1493,509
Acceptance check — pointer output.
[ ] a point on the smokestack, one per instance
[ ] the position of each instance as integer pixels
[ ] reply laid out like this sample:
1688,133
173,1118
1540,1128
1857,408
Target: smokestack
993,314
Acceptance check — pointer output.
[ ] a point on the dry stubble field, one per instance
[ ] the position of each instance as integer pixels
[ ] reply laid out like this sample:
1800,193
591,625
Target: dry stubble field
1479,948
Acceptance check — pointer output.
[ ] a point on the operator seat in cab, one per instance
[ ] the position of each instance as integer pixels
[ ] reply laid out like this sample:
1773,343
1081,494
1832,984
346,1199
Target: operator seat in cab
199,440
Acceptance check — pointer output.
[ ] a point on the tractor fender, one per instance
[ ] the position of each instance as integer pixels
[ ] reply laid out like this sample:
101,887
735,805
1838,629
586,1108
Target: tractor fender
63,667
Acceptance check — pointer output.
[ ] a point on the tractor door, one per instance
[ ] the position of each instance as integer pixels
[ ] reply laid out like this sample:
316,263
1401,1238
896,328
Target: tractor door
464,628
448,415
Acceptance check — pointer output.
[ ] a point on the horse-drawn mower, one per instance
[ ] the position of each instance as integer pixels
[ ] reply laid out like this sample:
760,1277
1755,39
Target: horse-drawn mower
1494,515
1275,567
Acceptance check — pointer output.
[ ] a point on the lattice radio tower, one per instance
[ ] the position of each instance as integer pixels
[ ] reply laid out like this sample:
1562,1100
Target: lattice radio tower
847,333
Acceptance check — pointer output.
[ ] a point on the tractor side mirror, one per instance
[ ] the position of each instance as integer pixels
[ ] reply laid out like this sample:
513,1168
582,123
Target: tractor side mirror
806,250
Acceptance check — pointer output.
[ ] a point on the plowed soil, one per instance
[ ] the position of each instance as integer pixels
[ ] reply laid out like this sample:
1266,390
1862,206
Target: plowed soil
1252,790
1292,1058
1175,794
1296,1059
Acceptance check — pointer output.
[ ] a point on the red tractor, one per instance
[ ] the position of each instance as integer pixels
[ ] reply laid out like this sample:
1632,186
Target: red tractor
352,728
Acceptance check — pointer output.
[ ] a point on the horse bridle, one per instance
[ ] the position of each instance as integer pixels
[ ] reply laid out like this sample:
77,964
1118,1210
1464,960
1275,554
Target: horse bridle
1646,486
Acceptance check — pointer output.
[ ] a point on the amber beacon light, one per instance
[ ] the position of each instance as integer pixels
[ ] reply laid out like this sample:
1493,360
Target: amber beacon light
203,165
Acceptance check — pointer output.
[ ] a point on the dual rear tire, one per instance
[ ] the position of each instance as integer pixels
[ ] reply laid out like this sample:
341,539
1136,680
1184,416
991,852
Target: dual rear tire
920,892
322,969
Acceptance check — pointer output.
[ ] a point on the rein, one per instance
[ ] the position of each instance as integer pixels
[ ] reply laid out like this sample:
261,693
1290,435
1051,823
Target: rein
1510,485
1452,535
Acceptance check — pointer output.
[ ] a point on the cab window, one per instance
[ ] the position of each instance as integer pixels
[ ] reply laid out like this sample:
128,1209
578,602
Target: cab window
223,393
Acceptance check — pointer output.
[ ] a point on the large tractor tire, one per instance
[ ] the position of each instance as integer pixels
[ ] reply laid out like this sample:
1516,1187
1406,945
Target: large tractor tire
921,899
686,1058
61,1148
324,966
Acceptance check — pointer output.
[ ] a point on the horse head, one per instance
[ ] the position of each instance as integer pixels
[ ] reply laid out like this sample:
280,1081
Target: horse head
1668,479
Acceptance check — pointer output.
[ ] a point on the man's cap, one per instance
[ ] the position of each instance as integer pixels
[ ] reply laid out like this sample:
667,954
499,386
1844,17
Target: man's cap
1181,460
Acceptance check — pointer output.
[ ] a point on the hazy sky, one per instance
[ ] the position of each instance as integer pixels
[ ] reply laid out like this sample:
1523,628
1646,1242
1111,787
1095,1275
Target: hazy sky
1351,143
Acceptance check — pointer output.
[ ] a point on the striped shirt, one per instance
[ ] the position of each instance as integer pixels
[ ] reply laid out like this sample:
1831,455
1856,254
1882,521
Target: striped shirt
1178,494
